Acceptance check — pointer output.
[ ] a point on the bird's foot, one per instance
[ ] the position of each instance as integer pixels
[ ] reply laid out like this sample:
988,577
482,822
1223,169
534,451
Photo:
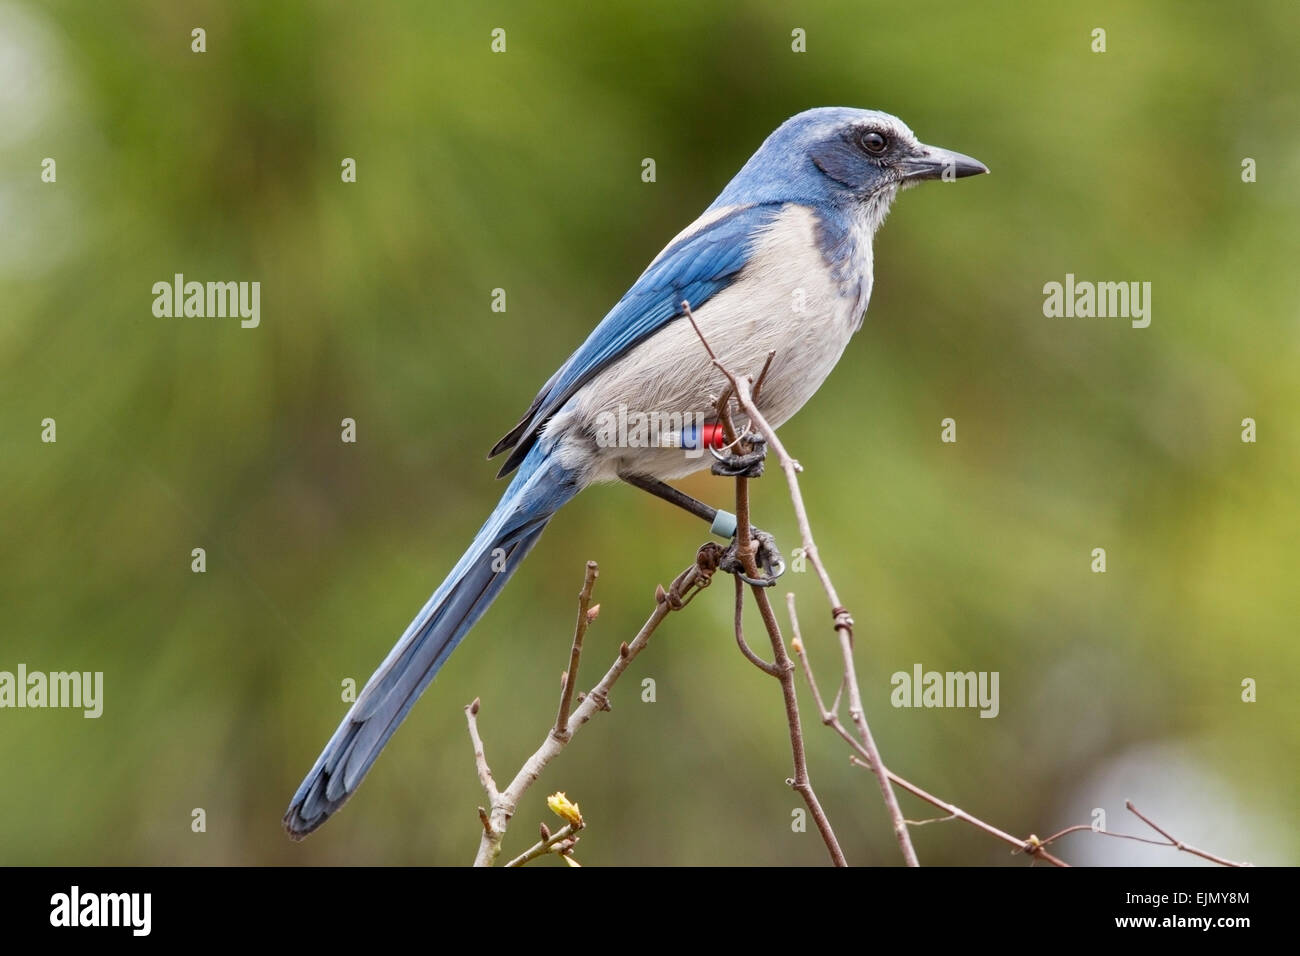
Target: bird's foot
766,556
748,465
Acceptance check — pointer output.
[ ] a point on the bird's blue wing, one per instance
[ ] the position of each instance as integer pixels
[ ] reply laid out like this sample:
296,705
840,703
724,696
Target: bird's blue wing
695,268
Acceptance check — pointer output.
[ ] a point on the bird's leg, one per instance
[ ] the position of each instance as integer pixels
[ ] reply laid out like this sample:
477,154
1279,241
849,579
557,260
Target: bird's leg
747,465
750,465
766,556
723,524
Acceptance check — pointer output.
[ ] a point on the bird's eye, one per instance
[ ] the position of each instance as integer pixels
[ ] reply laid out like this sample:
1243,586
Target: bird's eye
873,142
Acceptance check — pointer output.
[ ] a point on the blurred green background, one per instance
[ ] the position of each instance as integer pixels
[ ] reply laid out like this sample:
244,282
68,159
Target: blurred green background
522,171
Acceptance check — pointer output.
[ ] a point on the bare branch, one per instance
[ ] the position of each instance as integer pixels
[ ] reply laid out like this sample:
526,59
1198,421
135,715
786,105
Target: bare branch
548,844
861,757
480,756
1173,841
687,585
745,649
575,655
742,389
781,668
505,802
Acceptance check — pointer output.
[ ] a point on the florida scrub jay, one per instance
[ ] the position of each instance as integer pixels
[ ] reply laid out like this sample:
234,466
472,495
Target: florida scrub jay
795,224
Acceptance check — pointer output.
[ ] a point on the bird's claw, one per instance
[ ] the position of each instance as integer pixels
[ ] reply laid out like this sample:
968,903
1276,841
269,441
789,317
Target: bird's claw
766,556
750,465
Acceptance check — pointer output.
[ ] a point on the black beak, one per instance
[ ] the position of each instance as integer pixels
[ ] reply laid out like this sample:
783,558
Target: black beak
932,162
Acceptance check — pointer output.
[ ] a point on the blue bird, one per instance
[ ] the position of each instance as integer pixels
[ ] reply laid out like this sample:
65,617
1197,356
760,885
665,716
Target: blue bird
780,261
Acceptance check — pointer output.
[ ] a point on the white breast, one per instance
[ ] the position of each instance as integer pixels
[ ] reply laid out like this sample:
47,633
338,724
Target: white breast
785,300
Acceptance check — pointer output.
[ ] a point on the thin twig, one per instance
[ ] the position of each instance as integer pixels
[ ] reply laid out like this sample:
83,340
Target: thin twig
1175,842
785,667
781,668
480,755
548,845
745,649
843,620
504,804
1080,827
762,375
575,654
860,757
921,823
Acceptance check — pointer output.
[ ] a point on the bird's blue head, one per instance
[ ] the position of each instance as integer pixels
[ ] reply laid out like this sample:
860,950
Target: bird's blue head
837,156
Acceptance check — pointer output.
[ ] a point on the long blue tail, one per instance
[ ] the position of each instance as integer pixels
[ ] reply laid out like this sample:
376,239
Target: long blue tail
539,489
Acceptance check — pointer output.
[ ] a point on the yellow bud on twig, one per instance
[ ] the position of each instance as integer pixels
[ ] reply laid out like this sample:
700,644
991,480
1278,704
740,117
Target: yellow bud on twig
562,806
